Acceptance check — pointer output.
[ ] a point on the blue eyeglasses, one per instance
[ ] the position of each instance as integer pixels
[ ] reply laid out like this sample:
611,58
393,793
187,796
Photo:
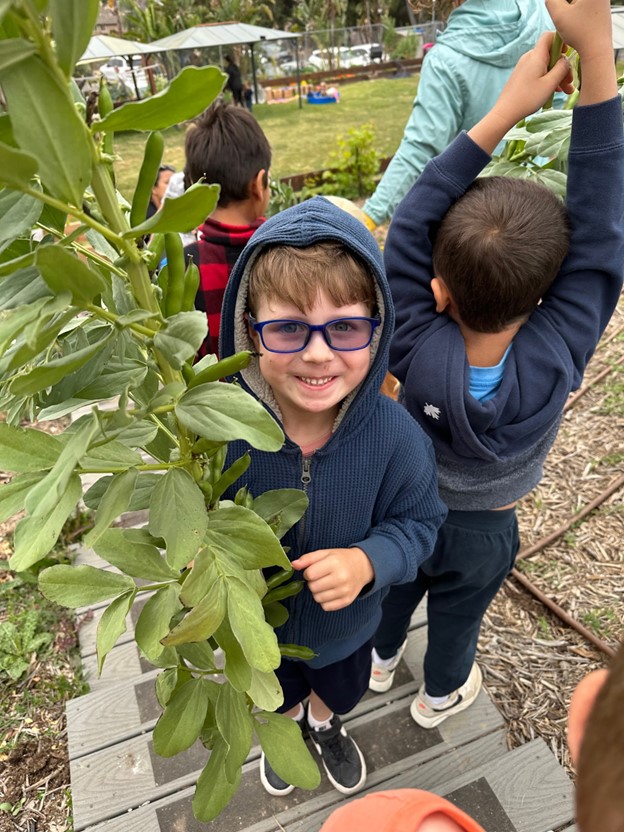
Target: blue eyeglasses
343,334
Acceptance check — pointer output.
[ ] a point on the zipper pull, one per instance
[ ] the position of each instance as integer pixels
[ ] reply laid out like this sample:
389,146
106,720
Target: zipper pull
305,474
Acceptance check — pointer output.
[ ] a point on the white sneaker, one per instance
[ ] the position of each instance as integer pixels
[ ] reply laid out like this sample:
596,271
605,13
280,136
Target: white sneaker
428,717
382,675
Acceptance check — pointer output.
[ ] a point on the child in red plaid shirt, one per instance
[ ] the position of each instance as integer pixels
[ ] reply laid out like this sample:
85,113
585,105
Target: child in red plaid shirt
226,146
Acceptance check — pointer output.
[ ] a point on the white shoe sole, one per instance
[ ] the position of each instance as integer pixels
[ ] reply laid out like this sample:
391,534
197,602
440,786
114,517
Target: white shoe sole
381,687
433,721
268,787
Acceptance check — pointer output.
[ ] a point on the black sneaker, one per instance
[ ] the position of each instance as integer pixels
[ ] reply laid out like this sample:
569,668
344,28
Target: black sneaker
271,782
342,759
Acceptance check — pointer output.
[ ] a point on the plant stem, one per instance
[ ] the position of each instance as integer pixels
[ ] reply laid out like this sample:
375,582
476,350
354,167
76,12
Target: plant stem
555,54
105,315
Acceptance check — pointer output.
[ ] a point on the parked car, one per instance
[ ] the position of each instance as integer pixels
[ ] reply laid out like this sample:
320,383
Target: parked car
118,70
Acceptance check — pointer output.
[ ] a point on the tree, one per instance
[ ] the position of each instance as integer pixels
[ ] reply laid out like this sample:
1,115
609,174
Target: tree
81,320
242,11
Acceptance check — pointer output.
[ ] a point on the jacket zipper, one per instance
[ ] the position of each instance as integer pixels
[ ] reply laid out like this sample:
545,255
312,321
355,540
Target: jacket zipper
306,479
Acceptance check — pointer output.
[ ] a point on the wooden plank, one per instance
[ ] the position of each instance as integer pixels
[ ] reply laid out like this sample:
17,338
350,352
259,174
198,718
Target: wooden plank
528,784
253,810
134,774
122,663
99,719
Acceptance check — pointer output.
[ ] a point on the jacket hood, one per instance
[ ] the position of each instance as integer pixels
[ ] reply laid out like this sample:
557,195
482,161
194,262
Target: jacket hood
496,32
303,225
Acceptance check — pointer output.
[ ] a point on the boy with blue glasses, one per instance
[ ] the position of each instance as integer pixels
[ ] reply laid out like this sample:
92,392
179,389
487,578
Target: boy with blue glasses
309,295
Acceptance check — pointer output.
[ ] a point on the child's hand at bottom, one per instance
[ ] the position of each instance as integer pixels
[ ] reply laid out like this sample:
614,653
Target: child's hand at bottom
335,576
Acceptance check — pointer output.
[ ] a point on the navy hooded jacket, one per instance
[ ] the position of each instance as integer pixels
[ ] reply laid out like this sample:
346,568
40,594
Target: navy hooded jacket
491,453
372,485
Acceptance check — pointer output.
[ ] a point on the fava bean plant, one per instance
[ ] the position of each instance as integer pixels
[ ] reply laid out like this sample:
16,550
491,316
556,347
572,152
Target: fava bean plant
81,321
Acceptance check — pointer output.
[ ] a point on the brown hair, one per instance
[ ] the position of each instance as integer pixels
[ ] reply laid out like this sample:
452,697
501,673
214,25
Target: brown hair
297,275
499,248
226,146
599,788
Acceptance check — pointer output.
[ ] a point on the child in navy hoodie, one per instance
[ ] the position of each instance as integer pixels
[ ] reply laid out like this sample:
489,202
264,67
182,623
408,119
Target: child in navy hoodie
309,294
502,294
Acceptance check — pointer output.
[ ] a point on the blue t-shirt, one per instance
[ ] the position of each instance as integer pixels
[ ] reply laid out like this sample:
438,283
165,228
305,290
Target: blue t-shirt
485,381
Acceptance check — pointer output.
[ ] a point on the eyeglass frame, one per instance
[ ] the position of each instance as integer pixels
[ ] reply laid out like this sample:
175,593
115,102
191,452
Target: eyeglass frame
258,326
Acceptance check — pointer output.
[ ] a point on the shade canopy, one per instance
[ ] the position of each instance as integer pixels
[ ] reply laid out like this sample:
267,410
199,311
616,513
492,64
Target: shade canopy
102,47
617,18
218,34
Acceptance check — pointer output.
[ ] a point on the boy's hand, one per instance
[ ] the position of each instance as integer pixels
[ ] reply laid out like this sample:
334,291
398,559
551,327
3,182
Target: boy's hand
584,25
335,576
529,86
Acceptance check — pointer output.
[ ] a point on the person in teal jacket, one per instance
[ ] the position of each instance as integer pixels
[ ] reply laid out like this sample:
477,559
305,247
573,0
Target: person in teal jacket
461,78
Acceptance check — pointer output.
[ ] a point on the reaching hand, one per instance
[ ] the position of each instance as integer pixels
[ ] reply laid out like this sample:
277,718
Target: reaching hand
531,83
529,86
335,576
583,24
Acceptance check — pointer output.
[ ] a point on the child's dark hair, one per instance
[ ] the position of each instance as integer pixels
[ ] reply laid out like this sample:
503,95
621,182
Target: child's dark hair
499,248
297,275
226,146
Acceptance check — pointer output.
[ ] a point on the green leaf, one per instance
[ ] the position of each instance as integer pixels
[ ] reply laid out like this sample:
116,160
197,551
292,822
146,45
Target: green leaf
236,726
73,22
53,371
139,433
281,508
16,256
178,514
254,635
265,690
155,620
181,723
81,586
64,272
44,496
16,167
47,126
203,620
26,449
113,503
23,286
237,670
213,791
224,412
16,322
140,499
180,339
13,494
134,557
111,455
13,51
190,92
201,577
282,742
112,625
200,655
555,180
36,535
116,375
253,547
166,683
19,213
181,214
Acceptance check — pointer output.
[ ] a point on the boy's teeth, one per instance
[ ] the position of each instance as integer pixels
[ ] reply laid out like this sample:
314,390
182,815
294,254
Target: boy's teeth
316,381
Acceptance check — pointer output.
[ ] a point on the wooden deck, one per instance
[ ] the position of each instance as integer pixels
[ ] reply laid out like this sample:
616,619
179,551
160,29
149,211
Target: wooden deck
120,785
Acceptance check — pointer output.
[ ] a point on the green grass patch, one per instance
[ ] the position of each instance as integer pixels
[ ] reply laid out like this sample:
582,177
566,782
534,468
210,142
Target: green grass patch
40,665
301,139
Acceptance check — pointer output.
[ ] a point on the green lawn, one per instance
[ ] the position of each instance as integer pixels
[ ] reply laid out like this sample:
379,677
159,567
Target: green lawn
301,139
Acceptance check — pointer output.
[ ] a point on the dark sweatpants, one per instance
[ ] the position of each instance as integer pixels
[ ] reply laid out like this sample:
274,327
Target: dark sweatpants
474,552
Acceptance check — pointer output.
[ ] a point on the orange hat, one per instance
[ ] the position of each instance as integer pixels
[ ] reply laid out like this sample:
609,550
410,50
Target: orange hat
399,810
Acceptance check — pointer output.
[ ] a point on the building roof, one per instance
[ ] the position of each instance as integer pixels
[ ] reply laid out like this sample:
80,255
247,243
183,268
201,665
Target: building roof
102,47
218,34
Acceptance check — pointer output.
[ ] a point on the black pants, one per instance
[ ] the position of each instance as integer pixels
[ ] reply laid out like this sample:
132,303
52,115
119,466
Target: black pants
474,552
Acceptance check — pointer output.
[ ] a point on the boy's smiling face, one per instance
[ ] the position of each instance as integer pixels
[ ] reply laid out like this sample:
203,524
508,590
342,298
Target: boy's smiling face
316,379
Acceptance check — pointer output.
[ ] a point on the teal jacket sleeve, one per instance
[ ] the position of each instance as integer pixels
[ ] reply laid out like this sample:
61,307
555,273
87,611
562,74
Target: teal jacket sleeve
435,120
